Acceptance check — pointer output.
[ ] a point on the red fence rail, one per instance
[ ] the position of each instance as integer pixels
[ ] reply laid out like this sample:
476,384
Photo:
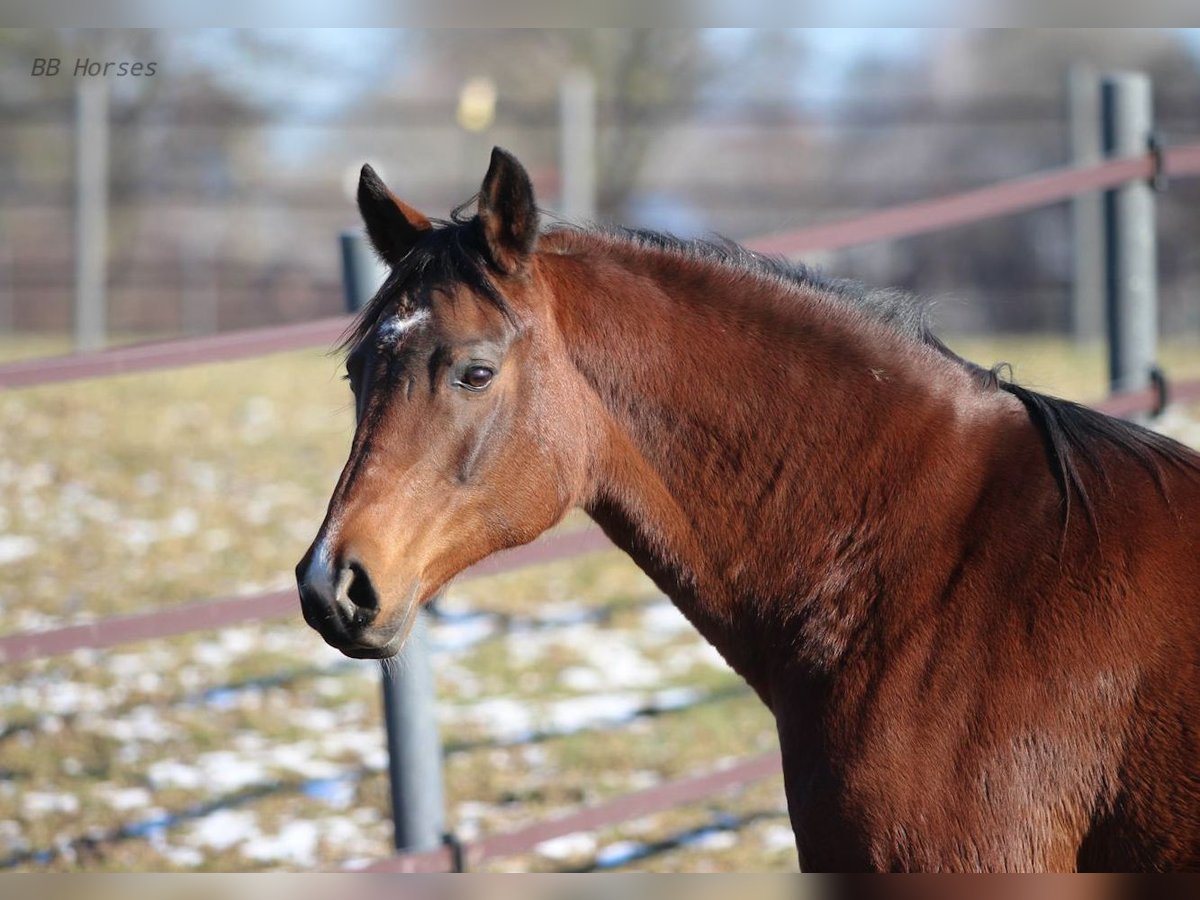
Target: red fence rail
1005,198
625,808
172,354
906,220
901,221
207,614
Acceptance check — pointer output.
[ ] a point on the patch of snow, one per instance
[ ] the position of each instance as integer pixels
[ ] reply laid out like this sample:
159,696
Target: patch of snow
564,612
139,534
183,522
614,654
676,698
700,654
226,772
715,839
469,816
329,688
183,857
366,743
341,831
258,510
211,654
302,758
240,641
315,719
35,803
223,829
67,697
338,793
148,483
534,756
258,420
665,619
223,698
167,773
640,779
581,678
143,723
123,799
14,547
148,682
578,713
502,718
296,843
457,635
12,838
201,475
221,771
620,853
568,846
777,838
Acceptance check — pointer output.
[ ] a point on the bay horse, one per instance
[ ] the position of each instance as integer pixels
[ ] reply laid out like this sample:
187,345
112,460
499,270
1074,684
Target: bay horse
974,610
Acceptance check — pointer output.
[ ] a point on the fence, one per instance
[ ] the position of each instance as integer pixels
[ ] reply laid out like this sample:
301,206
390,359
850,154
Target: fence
902,221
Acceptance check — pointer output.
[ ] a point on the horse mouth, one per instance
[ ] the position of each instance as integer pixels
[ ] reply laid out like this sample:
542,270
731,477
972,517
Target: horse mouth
376,641
362,651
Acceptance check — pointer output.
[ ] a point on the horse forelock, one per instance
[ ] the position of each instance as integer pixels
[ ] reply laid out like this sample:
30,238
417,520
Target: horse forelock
449,255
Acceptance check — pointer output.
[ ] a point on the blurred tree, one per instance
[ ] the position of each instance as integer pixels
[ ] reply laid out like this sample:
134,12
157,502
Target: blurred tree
174,136
999,98
642,76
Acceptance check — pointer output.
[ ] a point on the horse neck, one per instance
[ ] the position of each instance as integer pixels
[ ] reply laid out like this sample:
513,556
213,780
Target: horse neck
770,457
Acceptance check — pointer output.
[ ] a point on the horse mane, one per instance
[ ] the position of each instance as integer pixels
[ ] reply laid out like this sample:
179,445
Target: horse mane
1070,430
454,252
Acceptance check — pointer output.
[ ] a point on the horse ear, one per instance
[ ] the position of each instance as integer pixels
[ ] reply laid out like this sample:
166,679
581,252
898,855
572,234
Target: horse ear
508,213
392,225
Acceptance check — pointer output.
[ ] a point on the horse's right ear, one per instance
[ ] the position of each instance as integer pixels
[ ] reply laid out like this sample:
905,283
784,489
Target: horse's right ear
392,225
507,212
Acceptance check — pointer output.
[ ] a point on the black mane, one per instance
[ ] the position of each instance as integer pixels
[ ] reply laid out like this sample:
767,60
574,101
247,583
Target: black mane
455,253
1071,431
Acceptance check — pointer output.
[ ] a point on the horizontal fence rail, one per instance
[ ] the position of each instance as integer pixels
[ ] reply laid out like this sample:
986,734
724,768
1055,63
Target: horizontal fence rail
207,614
1133,402
977,205
905,220
173,354
625,808
899,221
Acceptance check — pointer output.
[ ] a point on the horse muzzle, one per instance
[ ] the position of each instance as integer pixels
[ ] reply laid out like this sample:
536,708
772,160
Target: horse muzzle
340,601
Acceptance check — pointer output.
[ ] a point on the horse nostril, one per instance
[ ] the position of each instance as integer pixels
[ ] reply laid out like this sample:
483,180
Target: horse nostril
355,585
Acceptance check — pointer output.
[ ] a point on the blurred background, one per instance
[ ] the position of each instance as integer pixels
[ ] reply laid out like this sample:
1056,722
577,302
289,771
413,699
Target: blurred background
230,168
215,192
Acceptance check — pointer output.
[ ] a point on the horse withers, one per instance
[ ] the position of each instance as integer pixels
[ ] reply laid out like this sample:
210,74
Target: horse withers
973,609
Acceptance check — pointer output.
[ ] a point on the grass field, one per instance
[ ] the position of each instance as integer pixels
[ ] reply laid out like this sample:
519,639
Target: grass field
260,748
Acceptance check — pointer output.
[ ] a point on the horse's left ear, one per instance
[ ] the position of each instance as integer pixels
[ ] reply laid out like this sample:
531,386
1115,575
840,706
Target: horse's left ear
508,213
392,225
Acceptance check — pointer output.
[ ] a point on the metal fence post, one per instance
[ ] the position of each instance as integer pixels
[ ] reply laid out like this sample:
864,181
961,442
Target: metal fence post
91,214
1087,223
414,745
1131,289
577,145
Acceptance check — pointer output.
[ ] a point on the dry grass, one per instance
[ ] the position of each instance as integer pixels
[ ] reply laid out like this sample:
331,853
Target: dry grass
143,491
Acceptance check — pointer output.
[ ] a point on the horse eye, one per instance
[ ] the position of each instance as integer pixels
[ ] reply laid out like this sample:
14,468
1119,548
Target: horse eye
477,377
